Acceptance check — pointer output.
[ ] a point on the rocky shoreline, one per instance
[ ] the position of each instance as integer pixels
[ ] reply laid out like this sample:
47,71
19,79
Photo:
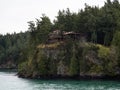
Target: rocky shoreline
55,77
82,77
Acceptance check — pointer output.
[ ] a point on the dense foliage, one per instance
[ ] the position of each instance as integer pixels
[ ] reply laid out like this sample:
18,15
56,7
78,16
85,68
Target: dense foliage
13,49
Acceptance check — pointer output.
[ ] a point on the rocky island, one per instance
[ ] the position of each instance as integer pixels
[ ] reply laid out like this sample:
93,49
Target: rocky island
83,44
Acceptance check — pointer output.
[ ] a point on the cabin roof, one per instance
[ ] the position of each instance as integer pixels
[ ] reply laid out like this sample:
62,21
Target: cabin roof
58,34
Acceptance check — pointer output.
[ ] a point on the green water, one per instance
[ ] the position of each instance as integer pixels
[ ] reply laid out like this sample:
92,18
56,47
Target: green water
9,81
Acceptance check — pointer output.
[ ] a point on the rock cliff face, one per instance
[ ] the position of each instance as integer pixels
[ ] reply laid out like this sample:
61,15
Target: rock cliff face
67,61
62,69
55,54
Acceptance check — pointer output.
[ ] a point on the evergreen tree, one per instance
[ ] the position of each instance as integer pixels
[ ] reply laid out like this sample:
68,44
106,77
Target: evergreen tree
74,64
43,64
116,43
43,28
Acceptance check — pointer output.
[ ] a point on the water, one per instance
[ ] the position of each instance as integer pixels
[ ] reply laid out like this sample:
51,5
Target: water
9,81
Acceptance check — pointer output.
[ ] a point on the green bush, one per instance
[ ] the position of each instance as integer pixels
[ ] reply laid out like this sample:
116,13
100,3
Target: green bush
103,51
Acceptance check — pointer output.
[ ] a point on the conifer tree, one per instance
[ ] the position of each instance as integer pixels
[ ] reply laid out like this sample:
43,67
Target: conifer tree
74,64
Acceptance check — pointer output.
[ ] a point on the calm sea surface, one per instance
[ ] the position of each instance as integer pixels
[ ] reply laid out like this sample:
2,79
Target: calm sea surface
9,81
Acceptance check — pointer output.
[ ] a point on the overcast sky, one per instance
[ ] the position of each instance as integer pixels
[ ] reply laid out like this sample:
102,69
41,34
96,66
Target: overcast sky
14,14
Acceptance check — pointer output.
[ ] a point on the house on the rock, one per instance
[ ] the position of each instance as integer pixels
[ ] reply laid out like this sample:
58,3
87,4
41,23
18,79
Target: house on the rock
58,35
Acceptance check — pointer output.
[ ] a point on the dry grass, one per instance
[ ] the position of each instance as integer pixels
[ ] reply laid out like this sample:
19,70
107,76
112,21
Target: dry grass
52,45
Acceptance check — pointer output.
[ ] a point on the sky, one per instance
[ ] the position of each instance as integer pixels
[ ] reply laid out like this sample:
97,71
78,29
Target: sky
14,14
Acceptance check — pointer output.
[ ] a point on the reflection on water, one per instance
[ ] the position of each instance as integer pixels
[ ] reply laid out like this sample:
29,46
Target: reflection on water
9,81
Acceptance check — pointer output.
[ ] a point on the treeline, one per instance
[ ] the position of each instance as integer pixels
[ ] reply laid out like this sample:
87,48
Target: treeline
100,24
13,49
